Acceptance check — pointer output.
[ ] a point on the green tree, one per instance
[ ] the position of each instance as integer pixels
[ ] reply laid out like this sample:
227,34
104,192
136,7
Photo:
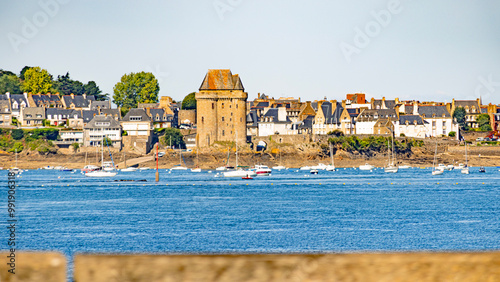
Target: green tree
91,88
37,80
189,102
452,134
136,88
459,116
66,86
483,121
6,72
175,135
17,134
23,71
18,147
10,83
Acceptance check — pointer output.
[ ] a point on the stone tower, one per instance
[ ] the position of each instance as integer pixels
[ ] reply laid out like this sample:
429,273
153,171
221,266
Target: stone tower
221,108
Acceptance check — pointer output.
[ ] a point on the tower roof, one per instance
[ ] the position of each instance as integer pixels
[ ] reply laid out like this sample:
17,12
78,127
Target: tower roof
221,79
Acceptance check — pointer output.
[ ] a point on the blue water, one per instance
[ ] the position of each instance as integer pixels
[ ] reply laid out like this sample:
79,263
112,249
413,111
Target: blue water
343,211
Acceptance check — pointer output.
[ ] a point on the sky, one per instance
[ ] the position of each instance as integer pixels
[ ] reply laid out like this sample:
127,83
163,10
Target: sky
413,50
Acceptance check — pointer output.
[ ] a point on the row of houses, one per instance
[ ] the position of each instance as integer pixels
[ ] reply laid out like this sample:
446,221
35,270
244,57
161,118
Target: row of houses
356,115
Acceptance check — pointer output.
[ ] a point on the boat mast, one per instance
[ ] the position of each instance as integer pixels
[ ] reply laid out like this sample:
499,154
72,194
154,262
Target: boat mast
236,132
16,157
331,154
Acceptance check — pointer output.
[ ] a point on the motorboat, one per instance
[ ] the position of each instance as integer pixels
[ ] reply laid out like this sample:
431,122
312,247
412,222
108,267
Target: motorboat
404,166
319,167
482,169
437,172
465,170
89,168
279,167
366,166
450,167
15,170
459,166
196,169
313,171
144,168
441,167
262,170
48,167
239,173
305,168
129,169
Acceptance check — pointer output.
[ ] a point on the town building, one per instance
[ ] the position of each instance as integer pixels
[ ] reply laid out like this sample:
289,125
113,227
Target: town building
472,110
221,108
5,112
32,116
45,100
275,121
439,120
17,102
77,102
101,127
139,130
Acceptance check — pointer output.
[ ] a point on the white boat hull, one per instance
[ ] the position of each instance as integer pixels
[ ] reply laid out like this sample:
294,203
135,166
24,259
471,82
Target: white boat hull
129,169
196,170
330,168
179,168
366,167
280,167
437,172
465,170
100,174
391,169
239,173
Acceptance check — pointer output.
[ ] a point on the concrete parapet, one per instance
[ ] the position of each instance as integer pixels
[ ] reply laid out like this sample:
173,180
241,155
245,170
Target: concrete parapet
293,267
34,267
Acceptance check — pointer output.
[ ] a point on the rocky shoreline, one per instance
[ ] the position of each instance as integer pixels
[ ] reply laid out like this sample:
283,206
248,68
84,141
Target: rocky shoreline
291,157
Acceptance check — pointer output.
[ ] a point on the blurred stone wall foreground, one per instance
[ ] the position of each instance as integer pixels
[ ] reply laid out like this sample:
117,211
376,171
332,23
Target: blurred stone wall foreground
300,267
33,267
36,267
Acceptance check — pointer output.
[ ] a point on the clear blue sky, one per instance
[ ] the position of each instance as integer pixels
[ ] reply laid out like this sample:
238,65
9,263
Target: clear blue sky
427,50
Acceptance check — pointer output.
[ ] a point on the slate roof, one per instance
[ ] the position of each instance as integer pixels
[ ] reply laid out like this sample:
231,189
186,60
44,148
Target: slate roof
115,113
158,115
314,105
78,100
252,119
88,115
273,114
261,105
101,118
374,115
409,109
390,104
19,98
94,105
377,104
221,79
4,97
134,112
45,99
33,111
411,119
430,111
307,123
65,113
4,106
332,118
466,103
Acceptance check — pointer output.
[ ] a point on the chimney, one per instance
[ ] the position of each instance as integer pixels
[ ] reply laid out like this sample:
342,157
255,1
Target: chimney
415,108
148,111
72,96
84,96
8,95
344,102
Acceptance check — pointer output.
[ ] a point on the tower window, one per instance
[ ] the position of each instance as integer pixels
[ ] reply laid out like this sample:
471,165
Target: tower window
222,132
212,106
202,119
222,118
223,105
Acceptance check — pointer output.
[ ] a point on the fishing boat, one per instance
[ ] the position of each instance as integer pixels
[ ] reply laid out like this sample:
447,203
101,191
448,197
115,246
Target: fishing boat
331,167
313,171
391,167
482,169
101,172
436,170
465,169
